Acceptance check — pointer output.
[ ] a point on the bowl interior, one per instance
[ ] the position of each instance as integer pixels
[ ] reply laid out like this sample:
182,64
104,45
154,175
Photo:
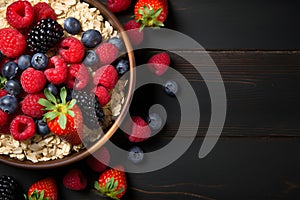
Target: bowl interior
76,156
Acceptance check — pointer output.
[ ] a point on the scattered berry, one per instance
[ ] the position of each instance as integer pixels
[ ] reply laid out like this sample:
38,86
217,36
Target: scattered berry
42,127
10,188
22,127
133,31
43,189
46,34
2,92
122,67
53,89
159,63
10,69
99,110
39,61
58,74
171,88
72,25
72,50
13,87
12,42
24,62
1,56
118,5
75,180
31,107
140,130
20,14
77,77
136,154
107,53
3,118
154,121
9,104
33,81
102,94
106,76
99,160
43,11
91,59
91,38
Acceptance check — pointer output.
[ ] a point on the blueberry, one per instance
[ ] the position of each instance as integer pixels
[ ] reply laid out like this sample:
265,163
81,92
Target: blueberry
136,154
122,67
42,127
171,88
8,103
9,70
91,59
13,87
154,121
24,62
69,94
91,38
72,25
39,61
118,42
53,89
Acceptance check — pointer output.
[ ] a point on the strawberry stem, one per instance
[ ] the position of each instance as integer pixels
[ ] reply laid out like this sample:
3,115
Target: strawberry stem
149,17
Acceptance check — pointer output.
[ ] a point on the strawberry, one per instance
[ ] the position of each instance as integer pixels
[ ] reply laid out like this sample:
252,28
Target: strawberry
140,131
151,13
112,183
63,118
159,63
43,189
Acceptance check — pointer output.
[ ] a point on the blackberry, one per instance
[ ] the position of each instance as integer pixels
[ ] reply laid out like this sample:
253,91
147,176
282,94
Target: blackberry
46,34
9,189
99,111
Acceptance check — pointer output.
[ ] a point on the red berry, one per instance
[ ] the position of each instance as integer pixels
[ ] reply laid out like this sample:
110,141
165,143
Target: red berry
75,180
133,31
43,10
72,50
78,77
159,63
31,107
58,74
107,53
3,118
140,131
12,42
33,81
22,127
102,94
99,160
20,14
118,5
3,93
106,76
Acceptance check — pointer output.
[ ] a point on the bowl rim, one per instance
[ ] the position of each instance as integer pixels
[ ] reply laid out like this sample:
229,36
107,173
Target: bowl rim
77,156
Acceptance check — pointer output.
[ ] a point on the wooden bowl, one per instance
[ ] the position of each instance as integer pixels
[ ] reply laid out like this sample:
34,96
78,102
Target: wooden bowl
77,156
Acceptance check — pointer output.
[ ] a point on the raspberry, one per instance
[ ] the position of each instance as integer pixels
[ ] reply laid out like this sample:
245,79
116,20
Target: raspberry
31,107
118,5
102,95
159,63
43,10
3,92
78,77
75,180
135,35
3,118
12,42
72,50
22,127
106,76
58,74
99,160
140,131
32,81
20,14
107,53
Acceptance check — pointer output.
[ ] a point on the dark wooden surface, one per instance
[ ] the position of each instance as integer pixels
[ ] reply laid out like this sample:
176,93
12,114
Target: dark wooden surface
256,47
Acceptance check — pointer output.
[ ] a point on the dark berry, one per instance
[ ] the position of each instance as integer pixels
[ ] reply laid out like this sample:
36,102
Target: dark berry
13,87
24,62
72,25
171,88
118,42
69,94
99,111
39,61
8,103
9,70
91,59
136,154
10,189
53,89
1,56
122,67
154,121
91,38
42,127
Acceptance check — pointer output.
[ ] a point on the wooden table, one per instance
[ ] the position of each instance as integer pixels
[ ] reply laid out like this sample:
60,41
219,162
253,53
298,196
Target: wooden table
255,45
